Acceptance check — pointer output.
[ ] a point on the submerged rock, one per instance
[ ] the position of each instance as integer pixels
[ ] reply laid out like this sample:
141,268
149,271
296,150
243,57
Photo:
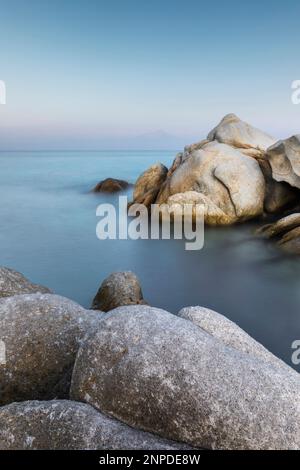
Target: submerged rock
69,425
118,289
286,231
280,227
14,283
42,334
110,185
164,374
284,158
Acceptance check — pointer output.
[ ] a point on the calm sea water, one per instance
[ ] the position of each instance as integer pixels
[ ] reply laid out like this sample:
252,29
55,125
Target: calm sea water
48,224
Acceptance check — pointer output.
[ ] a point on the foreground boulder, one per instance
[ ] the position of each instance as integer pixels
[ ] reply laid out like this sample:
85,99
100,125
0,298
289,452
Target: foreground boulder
42,334
164,374
284,158
14,283
118,289
68,425
230,334
110,185
148,184
228,179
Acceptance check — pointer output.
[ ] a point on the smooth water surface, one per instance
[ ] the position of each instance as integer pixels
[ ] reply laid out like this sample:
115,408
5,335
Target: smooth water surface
48,232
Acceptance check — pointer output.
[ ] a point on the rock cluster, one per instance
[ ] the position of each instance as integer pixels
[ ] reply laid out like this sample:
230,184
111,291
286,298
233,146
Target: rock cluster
139,377
238,173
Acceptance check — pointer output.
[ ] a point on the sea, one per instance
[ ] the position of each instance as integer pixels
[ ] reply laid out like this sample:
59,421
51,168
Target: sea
48,232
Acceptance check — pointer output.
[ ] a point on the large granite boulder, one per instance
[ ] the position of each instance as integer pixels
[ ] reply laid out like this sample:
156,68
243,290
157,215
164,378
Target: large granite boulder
118,289
284,158
42,334
69,425
241,135
229,333
14,283
230,180
164,374
148,184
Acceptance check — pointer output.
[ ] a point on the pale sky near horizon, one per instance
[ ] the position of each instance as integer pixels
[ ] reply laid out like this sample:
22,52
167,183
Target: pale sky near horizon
92,74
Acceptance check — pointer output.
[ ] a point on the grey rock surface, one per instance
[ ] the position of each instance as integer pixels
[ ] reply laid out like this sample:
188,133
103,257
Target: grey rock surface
42,334
69,425
14,283
163,374
229,333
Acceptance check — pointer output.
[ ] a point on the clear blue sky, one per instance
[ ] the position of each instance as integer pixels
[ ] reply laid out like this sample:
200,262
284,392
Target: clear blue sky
90,73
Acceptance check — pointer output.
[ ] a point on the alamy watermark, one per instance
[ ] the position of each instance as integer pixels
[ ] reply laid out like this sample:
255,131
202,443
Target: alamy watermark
2,353
159,221
296,92
2,92
296,354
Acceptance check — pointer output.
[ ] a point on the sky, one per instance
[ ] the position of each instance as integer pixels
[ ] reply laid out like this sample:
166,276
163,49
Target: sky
114,74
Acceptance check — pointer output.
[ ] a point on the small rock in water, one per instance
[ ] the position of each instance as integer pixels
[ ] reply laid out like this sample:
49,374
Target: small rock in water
110,185
118,289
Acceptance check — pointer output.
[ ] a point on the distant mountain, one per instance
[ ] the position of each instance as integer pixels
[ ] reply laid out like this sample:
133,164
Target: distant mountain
156,140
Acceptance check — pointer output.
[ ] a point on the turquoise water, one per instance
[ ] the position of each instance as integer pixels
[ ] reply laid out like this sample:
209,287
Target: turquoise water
48,232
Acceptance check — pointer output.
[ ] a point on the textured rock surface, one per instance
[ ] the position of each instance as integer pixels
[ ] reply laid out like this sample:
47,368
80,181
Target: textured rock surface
164,374
62,424
201,204
14,283
229,333
284,158
118,289
237,133
230,180
278,195
110,185
42,334
281,227
148,184
286,231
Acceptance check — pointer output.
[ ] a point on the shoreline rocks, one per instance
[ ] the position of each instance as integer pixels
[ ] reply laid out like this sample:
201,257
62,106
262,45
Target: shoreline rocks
163,374
236,171
69,425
